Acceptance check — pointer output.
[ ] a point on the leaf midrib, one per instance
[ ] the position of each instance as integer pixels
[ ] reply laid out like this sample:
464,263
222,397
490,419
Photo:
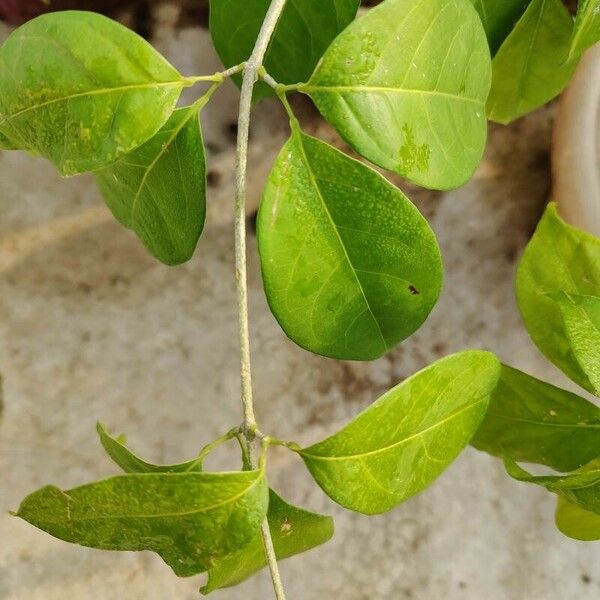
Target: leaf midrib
545,423
399,443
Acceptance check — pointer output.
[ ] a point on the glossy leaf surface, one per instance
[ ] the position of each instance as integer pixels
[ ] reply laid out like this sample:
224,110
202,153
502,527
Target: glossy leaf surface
587,27
82,90
406,87
350,266
576,522
304,31
559,259
130,463
532,65
403,441
533,421
499,18
294,530
159,189
191,520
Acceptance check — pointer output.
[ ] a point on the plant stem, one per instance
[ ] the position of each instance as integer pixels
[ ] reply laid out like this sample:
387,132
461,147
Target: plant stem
250,77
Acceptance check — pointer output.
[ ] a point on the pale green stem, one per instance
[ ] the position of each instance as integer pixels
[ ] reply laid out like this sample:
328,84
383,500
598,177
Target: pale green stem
250,77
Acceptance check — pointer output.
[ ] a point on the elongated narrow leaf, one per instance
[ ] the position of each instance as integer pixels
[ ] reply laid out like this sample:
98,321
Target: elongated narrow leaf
581,319
82,90
499,18
533,421
350,266
575,522
581,487
130,463
532,65
159,189
402,442
304,31
587,27
559,259
406,86
192,520
294,530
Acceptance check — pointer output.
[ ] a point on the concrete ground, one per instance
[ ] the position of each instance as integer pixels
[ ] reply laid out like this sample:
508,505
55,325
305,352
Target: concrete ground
92,328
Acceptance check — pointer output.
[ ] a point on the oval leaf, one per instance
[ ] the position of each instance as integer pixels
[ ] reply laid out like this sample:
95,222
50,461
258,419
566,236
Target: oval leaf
82,90
350,266
587,27
130,463
159,190
304,31
575,522
498,18
532,65
535,422
559,259
406,87
401,443
294,530
191,520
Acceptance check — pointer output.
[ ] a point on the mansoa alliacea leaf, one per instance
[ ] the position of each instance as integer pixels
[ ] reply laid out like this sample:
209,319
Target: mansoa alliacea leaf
406,87
576,522
532,65
304,31
294,530
192,520
82,90
130,463
350,266
587,27
159,189
535,422
402,442
560,259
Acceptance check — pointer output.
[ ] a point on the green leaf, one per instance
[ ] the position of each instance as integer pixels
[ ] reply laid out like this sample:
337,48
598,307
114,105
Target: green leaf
559,258
304,31
294,530
159,190
130,463
575,522
406,87
587,27
82,90
581,487
581,319
350,266
533,421
532,65
499,18
402,442
192,520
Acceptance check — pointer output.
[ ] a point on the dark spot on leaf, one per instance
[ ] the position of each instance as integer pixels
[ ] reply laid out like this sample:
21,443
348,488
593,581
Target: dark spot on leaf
413,290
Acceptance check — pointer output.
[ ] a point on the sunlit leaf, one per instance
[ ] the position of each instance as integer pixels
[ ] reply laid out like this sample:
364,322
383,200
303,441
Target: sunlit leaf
294,530
499,18
575,522
192,520
159,189
587,27
303,32
532,65
406,87
533,421
403,441
560,259
82,90
130,463
581,487
350,266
